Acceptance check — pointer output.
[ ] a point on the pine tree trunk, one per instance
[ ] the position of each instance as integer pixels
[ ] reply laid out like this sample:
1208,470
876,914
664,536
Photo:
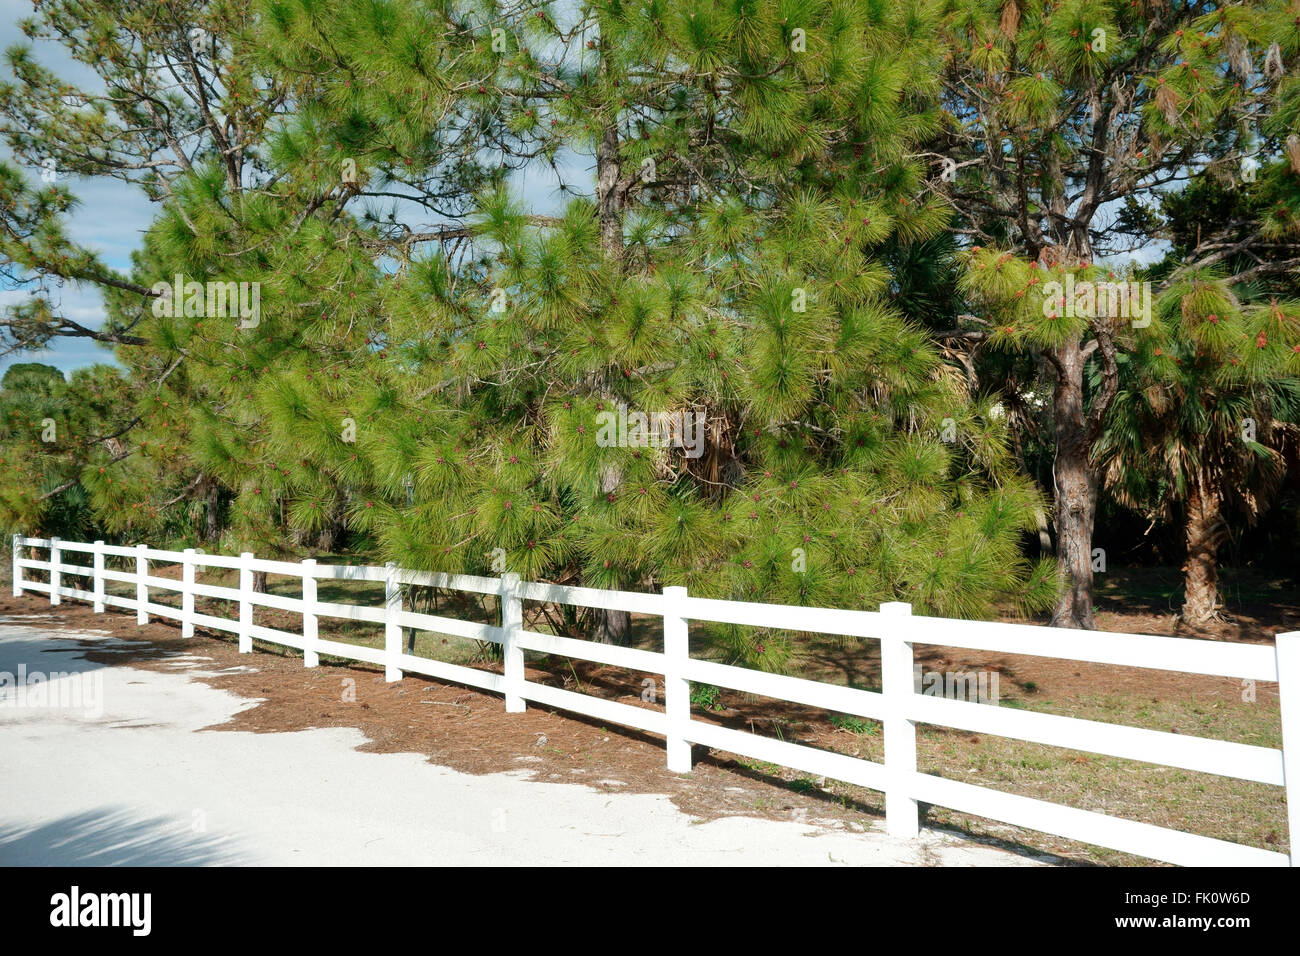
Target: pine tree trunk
1075,491
212,512
608,196
611,627
1201,572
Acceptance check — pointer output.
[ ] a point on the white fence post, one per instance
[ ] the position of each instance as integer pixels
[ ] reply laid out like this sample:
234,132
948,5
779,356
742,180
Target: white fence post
56,577
902,815
141,588
310,657
512,622
18,572
245,602
677,689
97,554
187,593
1287,648
392,629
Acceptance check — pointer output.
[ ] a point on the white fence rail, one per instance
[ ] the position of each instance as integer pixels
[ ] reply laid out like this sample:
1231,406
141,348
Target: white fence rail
899,705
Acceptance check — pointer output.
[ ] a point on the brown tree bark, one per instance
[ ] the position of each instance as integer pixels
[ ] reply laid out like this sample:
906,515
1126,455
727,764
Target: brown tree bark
212,512
1075,512
609,194
1201,572
1077,429
611,627
1075,484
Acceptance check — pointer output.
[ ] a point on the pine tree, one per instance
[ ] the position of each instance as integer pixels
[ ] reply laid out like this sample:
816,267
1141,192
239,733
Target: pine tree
55,433
227,138
740,284
428,374
1062,115
1208,408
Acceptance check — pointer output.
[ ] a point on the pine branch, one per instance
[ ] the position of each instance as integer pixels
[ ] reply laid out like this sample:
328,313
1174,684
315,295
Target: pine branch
73,481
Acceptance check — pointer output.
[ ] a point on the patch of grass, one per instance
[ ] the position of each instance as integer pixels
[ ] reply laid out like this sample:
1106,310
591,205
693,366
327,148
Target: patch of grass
803,785
760,766
855,725
706,696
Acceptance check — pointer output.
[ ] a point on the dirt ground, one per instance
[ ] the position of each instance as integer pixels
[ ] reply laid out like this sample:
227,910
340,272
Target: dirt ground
458,727
469,730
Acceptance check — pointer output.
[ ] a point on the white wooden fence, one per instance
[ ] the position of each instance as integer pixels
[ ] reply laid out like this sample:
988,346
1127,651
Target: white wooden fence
898,706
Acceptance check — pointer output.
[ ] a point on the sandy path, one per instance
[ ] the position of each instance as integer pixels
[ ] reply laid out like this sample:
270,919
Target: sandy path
122,775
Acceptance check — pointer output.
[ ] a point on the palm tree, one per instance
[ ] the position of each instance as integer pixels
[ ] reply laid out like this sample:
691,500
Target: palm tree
1204,411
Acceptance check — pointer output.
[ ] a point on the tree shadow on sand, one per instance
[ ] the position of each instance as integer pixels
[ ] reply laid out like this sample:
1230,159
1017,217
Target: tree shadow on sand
113,836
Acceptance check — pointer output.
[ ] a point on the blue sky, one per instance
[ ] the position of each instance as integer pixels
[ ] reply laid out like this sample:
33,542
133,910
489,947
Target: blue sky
111,219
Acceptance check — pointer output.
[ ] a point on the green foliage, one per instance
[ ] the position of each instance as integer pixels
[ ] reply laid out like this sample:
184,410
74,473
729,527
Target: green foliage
57,438
706,696
1209,405
426,378
855,725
